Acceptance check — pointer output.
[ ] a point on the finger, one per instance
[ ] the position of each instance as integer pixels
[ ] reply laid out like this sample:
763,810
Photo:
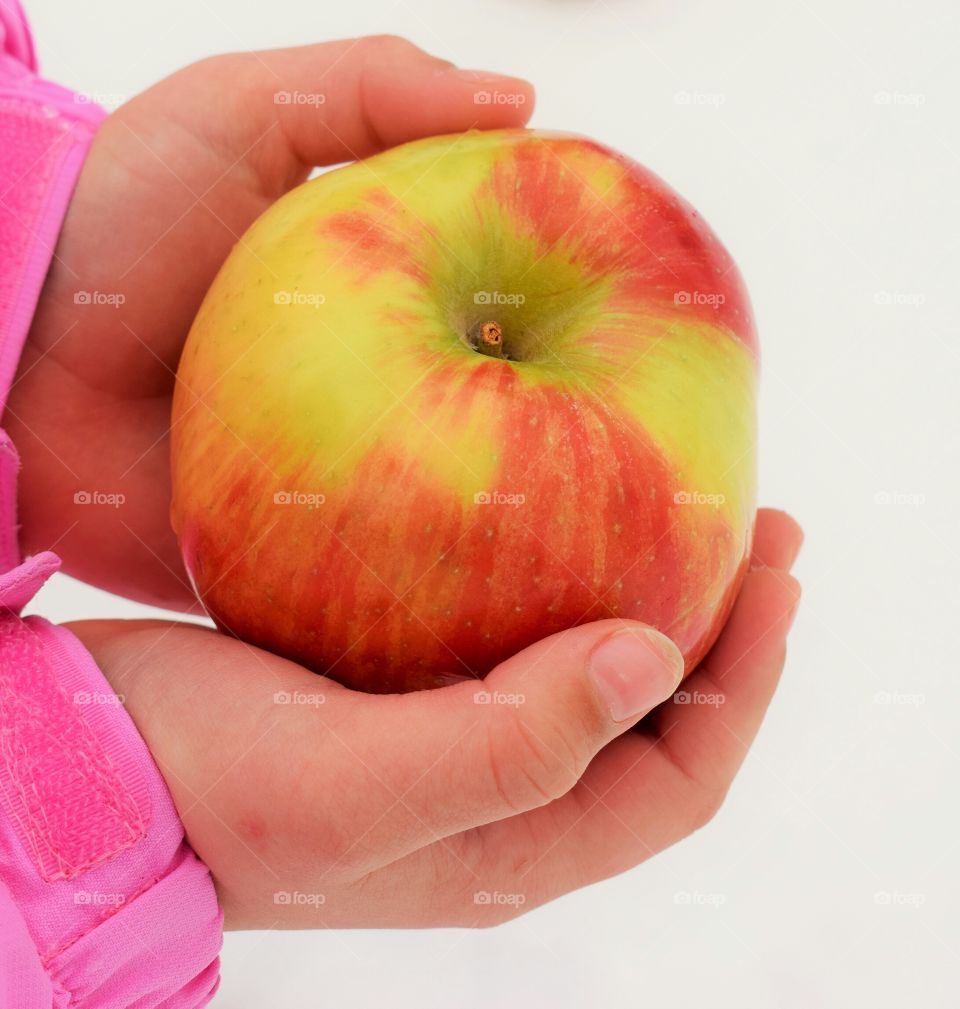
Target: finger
709,741
338,101
777,539
447,760
648,789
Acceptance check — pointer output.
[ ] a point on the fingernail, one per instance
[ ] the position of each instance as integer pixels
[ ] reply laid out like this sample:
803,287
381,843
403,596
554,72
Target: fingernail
634,670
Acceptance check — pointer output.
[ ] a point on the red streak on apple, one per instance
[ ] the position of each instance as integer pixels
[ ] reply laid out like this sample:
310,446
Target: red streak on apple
379,237
640,230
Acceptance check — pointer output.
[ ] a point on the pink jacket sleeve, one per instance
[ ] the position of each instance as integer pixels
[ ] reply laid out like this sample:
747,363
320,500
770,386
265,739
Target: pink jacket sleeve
103,904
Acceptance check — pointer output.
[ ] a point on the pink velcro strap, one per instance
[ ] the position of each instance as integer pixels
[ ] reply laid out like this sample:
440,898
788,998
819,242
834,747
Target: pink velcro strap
118,908
73,806
44,136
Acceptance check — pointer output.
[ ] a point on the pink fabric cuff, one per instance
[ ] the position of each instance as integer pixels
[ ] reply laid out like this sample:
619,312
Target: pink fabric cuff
103,905
45,132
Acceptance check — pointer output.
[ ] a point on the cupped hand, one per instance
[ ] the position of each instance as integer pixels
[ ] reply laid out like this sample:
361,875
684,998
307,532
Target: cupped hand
313,805
172,180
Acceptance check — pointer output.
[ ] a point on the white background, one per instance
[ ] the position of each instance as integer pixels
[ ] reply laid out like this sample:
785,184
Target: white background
823,147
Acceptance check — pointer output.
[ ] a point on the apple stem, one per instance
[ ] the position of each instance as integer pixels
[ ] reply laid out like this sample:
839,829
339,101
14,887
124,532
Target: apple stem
490,339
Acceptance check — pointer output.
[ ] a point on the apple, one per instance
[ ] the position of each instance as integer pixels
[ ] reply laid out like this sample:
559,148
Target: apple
446,401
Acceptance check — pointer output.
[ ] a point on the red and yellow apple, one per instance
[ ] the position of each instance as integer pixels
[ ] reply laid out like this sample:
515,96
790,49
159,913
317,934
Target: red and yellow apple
446,401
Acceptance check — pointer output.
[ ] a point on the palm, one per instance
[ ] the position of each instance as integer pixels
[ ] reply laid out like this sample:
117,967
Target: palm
173,179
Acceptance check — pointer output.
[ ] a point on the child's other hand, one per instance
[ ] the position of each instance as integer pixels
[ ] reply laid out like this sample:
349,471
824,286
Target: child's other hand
313,805
172,180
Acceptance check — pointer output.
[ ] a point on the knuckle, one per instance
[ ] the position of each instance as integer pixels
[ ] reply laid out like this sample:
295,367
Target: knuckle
233,78
462,870
530,768
380,46
212,66
705,804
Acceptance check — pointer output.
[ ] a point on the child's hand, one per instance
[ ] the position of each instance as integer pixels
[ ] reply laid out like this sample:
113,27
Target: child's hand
314,805
173,179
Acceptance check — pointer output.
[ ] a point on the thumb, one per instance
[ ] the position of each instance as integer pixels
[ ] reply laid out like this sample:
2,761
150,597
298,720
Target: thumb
338,101
480,751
